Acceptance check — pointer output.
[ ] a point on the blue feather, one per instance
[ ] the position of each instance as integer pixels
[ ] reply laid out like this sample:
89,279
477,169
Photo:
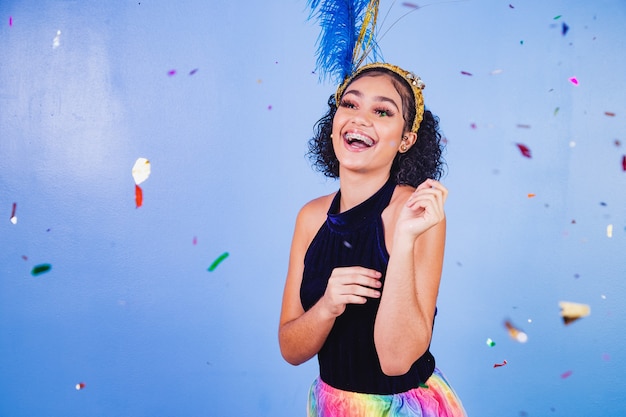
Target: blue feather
340,22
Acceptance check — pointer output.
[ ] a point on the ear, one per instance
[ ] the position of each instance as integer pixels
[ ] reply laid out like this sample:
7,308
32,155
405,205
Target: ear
408,140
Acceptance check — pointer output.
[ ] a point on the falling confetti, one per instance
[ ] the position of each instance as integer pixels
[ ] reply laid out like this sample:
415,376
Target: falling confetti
525,150
138,196
40,269
490,342
566,374
515,333
10,21
573,80
557,17
511,6
13,216
531,195
497,365
556,111
496,72
523,126
411,5
171,72
193,71
624,163
570,312
80,386
218,261
269,107
564,29
195,240
466,73
56,42
609,113
422,385
141,170
609,231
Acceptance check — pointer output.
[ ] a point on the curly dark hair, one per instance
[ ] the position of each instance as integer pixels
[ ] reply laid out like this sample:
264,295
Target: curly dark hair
422,161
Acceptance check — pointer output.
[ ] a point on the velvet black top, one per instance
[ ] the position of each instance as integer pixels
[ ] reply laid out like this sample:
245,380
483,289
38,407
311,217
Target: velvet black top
348,358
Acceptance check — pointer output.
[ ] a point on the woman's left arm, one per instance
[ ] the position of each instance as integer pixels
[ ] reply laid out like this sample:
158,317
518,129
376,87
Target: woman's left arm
403,327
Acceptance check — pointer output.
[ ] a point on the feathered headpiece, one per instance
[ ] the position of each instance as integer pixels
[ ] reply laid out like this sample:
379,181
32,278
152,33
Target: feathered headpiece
348,40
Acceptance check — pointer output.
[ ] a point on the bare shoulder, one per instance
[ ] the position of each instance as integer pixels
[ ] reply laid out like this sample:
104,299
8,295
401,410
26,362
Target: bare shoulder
313,214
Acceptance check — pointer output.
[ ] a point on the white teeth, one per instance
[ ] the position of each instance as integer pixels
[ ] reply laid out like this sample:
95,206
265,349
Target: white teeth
351,137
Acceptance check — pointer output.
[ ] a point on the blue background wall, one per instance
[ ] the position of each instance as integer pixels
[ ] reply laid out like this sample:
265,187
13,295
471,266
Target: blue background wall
129,307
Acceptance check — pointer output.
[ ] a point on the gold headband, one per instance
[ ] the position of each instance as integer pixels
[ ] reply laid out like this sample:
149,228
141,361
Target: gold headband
415,82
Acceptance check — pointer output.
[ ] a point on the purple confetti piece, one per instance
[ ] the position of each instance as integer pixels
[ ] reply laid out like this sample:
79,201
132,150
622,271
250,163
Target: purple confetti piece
193,71
171,72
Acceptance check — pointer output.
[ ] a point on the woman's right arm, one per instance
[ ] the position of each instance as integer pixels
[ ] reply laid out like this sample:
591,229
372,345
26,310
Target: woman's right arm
302,334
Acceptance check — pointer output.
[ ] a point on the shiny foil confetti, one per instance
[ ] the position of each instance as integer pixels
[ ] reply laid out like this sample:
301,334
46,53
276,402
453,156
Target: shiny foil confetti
490,342
497,365
56,42
609,231
570,312
141,170
218,261
138,196
525,150
79,386
40,269
13,217
515,333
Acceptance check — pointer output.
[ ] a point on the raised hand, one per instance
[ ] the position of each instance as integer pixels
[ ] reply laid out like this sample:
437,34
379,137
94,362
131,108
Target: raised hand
423,209
350,285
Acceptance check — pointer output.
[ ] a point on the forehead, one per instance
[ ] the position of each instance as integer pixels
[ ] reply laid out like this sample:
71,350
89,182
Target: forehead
377,83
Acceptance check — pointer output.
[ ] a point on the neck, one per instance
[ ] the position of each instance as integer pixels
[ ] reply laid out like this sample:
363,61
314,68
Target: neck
355,189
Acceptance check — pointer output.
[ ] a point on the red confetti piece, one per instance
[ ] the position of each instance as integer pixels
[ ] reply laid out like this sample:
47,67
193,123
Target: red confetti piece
171,72
624,162
573,80
566,374
525,150
411,5
80,386
466,73
138,196
497,365
609,113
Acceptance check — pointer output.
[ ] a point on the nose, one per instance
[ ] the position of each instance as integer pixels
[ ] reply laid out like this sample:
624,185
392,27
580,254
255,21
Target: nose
361,118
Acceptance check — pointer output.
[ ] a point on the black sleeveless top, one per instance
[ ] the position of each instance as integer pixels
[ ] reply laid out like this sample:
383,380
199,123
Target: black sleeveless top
348,358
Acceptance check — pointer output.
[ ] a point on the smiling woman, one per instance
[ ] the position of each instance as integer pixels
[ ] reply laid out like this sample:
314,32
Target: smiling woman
366,261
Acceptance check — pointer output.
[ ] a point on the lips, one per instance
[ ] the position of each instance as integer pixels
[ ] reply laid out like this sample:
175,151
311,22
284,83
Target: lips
358,140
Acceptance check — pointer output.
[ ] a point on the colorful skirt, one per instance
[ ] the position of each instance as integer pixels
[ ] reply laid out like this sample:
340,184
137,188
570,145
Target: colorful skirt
438,400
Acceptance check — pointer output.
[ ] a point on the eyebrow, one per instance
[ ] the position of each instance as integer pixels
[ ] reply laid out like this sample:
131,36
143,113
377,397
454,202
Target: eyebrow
375,98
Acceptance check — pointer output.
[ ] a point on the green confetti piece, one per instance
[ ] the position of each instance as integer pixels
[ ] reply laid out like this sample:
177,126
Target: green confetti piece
557,17
40,269
556,111
422,385
218,261
490,342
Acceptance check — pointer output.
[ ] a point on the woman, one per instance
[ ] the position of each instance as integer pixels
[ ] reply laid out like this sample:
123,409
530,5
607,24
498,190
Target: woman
366,261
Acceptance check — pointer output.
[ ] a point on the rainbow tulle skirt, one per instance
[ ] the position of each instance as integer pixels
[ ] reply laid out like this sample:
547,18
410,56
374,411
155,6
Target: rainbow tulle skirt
438,400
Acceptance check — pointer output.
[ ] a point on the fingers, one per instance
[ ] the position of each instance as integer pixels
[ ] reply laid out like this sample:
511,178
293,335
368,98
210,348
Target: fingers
351,285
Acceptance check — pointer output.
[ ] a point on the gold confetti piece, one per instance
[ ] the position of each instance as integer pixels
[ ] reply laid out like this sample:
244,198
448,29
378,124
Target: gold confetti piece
570,312
141,170
609,230
515,333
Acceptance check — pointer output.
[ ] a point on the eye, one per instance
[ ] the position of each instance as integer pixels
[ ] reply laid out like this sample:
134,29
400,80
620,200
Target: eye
347,104
384,112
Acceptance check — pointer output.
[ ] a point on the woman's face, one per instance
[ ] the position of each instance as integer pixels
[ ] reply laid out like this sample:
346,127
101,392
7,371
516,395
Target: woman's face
368,126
